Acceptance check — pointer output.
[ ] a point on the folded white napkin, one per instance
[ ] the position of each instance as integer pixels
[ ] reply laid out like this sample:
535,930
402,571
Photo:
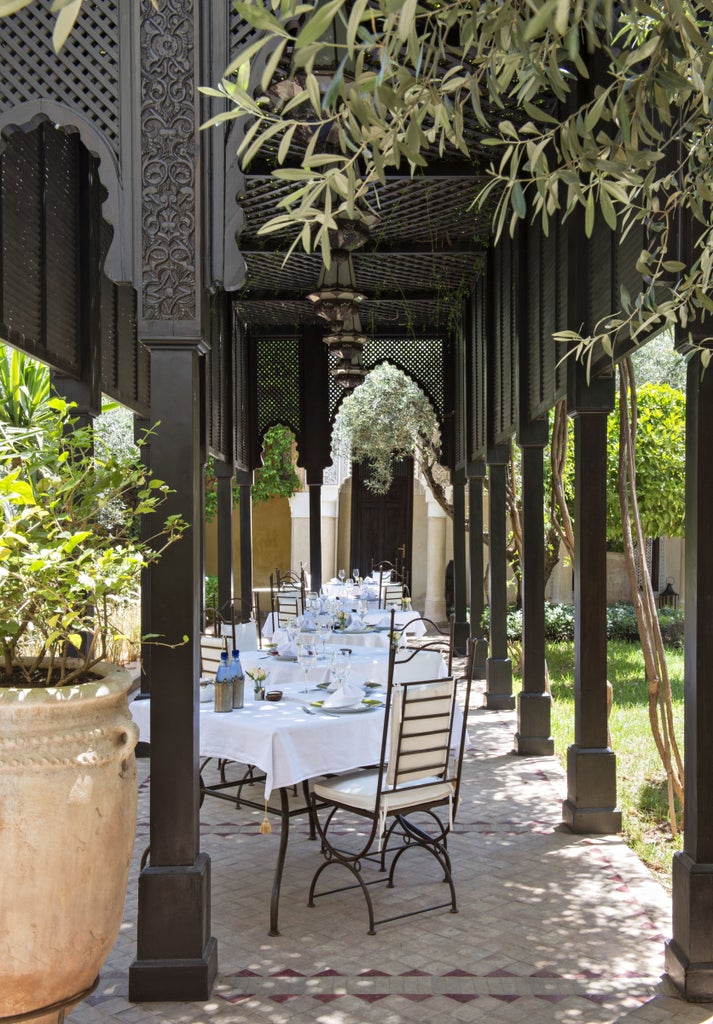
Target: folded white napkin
369,593
307,621
345,696
355,626
287,649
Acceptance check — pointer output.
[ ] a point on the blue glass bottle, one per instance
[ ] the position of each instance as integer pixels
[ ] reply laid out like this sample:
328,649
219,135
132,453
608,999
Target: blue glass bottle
237,678
223,685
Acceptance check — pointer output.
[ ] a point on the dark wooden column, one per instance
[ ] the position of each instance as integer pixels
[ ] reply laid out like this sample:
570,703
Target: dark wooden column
533,702
140,427
498,668
245,481
689,954
314,442
591,765
315,533
224,483
460,561
176,955
475,472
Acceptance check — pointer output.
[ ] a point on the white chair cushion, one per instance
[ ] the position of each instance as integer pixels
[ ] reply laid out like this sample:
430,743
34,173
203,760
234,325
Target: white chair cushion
358,790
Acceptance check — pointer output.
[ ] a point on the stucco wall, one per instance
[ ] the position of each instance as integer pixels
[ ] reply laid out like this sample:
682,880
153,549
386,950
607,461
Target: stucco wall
272,536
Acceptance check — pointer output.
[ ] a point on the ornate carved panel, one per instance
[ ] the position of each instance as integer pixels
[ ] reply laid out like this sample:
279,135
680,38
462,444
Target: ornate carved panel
169,162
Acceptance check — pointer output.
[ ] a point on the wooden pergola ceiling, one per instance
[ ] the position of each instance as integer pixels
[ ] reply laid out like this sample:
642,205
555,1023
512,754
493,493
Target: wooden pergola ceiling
424,252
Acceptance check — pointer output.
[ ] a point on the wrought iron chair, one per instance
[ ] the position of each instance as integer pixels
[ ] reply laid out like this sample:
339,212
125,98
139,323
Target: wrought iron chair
418,774
288,585
389,572
242,625
390,593
212,646
435,639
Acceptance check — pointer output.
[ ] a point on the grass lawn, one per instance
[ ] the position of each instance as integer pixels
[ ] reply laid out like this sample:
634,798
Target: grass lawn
641,781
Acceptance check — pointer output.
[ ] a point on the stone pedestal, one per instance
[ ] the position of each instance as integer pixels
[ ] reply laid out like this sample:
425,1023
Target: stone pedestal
435,605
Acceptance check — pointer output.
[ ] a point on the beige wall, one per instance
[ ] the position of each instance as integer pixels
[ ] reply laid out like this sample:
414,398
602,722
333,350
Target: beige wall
272,536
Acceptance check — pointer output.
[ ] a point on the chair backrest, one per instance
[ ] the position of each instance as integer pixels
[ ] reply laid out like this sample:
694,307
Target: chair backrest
211,648
433,639
288,585
241,625
419,740
287,607
418,664
243,635
421,727
390,593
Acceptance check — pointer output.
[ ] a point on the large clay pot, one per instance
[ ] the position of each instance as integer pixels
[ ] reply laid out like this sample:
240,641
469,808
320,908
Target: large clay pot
67,823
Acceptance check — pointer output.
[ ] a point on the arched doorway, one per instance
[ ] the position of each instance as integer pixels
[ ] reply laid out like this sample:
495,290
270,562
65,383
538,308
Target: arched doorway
382,523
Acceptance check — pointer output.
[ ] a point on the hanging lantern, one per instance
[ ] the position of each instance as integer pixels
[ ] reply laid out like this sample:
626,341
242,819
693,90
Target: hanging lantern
668,598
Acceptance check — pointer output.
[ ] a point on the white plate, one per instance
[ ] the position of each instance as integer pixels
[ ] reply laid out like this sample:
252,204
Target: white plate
352,709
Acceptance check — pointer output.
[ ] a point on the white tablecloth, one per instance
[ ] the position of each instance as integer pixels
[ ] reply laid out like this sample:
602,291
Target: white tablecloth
285,742
281,739
369,665
375,617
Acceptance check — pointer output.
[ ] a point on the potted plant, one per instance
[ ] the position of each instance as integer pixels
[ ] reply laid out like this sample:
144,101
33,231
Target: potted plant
70,546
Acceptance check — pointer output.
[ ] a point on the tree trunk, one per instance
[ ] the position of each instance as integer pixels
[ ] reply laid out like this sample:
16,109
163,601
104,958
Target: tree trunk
659,689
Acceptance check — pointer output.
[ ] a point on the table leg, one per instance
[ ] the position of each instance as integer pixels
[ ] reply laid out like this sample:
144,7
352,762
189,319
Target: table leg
277,880
310,809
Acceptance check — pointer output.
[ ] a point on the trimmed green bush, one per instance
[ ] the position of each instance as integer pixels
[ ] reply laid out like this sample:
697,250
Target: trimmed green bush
621,624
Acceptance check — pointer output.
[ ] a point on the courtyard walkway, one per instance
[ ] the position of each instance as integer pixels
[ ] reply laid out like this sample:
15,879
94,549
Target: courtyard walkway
552,927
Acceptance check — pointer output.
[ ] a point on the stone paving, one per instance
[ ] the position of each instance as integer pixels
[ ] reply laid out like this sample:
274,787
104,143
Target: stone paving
552,927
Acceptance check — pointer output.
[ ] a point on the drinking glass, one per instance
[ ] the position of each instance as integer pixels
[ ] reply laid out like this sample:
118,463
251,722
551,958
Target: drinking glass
324,628
306,656
342,575
355,574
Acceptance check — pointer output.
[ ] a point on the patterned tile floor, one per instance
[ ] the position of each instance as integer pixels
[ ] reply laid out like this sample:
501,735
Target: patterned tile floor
552,927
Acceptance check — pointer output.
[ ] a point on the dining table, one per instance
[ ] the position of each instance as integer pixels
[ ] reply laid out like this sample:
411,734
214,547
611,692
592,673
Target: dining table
288,741
378,620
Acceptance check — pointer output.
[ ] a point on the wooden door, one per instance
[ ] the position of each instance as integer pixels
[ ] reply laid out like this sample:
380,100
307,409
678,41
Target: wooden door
381,523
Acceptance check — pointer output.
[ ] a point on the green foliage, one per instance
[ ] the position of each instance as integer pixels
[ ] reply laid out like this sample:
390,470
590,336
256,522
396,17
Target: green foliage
658,363
413,75
211,591
276,478
62,559
660,463
386,418
621,624
24,388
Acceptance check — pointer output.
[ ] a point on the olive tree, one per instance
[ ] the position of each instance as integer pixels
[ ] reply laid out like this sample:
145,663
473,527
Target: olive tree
594,106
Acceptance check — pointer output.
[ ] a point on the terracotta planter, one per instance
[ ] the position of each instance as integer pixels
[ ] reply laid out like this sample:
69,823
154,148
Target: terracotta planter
67,823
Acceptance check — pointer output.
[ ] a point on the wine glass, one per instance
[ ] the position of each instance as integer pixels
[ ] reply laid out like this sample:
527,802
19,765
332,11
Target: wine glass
306,656
342,575
355,574
324,628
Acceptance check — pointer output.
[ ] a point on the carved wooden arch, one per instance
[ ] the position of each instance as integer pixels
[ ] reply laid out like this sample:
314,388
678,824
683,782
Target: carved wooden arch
29,116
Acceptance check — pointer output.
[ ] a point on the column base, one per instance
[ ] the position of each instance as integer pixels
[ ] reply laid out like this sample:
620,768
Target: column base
178,981
590,806
533,718
689,954
498,687
435,609
177,959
